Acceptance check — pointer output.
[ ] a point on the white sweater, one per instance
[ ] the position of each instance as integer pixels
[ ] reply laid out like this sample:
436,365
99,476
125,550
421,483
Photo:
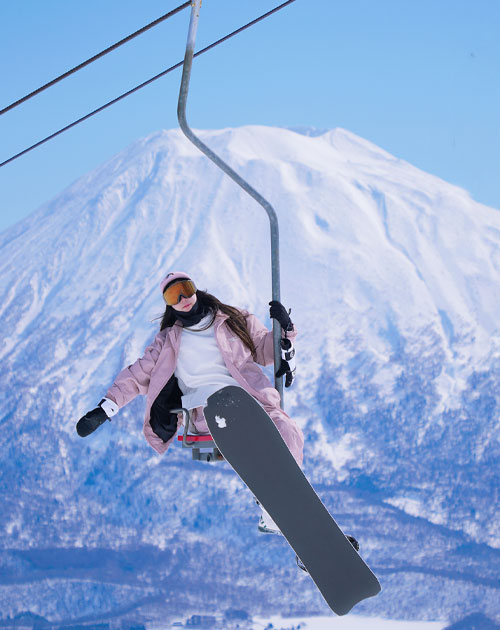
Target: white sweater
200,369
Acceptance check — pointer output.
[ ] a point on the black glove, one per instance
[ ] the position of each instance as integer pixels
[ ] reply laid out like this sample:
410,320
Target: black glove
91,421
285,369
279,312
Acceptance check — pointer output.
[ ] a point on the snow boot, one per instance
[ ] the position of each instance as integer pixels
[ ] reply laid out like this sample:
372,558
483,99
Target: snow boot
266,523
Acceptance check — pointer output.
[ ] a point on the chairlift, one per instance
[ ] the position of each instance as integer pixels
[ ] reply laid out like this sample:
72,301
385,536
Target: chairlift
196,443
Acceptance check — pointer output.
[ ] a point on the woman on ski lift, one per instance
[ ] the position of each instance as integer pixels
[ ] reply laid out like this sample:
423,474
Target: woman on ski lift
203,345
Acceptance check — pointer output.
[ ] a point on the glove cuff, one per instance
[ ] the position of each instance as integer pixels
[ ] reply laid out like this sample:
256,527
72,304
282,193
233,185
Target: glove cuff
109,407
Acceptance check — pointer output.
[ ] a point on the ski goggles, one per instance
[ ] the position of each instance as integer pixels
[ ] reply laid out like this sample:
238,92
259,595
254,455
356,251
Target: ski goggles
181,289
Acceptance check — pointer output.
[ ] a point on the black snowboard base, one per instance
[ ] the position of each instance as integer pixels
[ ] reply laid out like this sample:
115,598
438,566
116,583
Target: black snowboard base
351,539
253,446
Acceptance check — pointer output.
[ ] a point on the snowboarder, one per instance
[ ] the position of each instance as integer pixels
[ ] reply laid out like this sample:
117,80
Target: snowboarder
203,345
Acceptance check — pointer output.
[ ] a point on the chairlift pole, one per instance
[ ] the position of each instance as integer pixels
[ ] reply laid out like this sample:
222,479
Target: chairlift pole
273,219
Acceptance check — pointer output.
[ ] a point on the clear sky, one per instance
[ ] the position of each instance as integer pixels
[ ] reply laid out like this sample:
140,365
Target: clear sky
420,78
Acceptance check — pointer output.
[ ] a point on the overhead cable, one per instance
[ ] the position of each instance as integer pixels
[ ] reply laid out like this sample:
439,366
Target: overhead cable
95,57
141,85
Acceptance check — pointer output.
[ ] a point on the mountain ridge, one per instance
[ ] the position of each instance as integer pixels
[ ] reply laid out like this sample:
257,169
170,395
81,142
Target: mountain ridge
390,273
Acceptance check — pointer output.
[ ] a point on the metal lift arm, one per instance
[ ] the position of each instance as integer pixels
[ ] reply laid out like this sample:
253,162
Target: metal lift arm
273,219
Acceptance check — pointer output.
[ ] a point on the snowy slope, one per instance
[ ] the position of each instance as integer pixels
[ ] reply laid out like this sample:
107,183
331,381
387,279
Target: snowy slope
391,274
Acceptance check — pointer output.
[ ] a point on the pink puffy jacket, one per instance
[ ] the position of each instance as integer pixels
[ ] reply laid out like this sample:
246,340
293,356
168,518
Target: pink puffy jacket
149,374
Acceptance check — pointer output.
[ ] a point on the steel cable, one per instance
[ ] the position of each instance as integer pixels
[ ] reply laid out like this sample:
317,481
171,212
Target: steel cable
94,58
141,85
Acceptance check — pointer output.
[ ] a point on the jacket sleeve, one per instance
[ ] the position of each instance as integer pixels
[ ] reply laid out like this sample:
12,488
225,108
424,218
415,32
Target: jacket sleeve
134,379
263,339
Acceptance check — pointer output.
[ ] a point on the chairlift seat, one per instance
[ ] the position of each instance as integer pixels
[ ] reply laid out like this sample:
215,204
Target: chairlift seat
195,438
196,442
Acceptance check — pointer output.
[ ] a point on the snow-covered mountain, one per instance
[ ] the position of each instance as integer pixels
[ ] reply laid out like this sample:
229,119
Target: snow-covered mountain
392,277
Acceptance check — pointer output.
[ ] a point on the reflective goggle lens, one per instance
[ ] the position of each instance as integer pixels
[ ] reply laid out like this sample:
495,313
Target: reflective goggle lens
173,294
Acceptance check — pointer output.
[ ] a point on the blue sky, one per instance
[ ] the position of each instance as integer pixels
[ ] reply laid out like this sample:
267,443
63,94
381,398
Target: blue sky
420,79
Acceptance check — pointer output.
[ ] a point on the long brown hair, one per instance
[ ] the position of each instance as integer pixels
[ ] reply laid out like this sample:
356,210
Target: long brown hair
236,320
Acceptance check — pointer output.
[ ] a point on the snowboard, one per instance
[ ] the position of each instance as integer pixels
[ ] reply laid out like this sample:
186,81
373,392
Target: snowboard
253,446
